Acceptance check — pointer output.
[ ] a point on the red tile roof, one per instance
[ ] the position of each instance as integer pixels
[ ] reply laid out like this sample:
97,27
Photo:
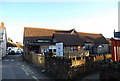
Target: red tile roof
35,32
43,32
93,38
69,39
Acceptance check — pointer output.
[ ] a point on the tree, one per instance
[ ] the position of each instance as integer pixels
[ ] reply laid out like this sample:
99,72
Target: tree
19,45
9,39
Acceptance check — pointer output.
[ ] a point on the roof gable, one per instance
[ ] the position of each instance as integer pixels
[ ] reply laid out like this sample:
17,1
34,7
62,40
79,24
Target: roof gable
72,31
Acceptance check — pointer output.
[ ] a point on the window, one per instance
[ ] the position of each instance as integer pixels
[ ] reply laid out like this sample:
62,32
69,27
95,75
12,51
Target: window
100,47
54,50
46,50
54,40
87,46
1,33
78,48
43,40
50,50
72,48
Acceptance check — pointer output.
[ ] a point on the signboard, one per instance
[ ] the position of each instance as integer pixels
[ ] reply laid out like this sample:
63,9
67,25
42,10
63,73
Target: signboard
52,47
117,34
1,33
59,49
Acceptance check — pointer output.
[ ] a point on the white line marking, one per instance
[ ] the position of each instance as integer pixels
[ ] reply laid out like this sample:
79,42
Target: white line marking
6,60
35,78
31,72
26,73
12,60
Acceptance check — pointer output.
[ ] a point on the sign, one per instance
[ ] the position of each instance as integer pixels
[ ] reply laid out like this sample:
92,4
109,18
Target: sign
117,34
52,47
1,33
59,49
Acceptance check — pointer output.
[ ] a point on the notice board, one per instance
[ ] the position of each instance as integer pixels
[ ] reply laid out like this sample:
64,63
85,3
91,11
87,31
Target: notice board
59,49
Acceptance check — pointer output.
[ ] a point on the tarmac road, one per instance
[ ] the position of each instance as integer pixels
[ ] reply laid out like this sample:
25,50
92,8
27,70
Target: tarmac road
13,68
92,77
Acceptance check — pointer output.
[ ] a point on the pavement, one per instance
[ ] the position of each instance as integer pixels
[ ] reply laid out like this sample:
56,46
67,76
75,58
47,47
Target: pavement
91,77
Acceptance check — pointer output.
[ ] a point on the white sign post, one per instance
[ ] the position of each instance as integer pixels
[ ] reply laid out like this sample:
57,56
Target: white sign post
59,49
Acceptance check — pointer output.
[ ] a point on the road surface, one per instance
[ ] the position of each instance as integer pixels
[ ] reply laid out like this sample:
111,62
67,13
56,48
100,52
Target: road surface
92,77
13,68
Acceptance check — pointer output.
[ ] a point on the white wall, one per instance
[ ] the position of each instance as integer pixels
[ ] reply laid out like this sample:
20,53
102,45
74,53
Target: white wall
3,44
0,51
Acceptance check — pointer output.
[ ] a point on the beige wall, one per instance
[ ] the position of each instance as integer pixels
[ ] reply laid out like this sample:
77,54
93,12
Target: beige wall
80,52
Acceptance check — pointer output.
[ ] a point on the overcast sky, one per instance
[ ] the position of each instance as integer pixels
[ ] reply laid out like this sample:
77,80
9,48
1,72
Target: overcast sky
83,15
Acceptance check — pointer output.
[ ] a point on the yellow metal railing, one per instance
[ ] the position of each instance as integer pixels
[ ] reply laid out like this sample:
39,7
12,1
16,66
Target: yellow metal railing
78,62
38,59
108,56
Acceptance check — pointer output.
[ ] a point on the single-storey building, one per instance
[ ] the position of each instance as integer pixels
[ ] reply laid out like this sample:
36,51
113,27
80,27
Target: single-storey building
40,40
95,43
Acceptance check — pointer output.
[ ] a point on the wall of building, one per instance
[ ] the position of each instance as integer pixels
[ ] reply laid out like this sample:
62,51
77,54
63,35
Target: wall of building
3,40
104,49
71,51
3,44
0,51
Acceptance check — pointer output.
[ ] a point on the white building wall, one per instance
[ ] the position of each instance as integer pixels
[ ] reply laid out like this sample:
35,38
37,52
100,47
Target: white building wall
3,43
1,39
0,51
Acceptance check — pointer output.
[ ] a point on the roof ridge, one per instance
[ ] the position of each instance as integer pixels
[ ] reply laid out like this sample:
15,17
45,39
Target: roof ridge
58,30
65,33
89,33
44,28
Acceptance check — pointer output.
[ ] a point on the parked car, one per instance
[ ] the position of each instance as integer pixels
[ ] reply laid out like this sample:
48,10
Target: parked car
14,51
19,52
11,52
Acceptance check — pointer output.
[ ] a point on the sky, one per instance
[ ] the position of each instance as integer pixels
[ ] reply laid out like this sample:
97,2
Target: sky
84,15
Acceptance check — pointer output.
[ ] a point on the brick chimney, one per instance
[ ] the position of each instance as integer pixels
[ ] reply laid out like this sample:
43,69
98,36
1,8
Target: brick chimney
2,24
